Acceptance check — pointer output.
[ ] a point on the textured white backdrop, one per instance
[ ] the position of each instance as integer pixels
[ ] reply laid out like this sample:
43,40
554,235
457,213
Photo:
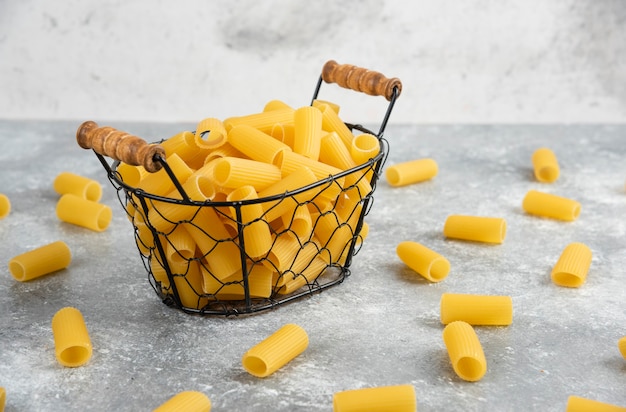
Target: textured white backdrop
478,61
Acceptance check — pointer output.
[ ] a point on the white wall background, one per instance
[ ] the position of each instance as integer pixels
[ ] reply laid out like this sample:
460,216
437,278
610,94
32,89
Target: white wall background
477,61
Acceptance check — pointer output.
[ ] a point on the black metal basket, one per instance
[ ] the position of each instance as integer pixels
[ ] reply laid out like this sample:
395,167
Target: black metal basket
306,256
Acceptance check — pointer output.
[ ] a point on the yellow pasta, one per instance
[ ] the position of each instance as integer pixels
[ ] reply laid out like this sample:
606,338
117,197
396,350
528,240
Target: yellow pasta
159,183
233,172
332,123
210,133
303,268
307,122
187,401
255,144
82,212
159,272
275,105
551,206
184,146
428,263
364,147
465,351
415,171
5,206
40,261
131,175
319,103
334,152
299,222
260,281
621,345
275,351
188,281
180,245
256,232
72,345
263,121
475,228
3,398
288,162
579,404
572,267
545,165
80,186
398,398
300,177
284,250
476,309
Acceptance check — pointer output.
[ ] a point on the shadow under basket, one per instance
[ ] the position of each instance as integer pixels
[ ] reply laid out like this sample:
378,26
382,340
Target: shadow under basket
219,257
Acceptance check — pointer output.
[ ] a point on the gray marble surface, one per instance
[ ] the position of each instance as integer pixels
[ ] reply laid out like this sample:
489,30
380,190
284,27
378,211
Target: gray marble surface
380,327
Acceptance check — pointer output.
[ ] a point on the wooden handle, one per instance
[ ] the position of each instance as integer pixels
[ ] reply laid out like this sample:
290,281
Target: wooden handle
360,79
119,145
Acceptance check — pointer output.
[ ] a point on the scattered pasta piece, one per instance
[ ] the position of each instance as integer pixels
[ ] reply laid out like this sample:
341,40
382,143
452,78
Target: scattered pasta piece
5,206
40,261
82,212
3,398
275,351
80,186
415,171
545,165
398,398
572,267
475,228
71,339
476,309
578,404
621,345
428,263
552,206
465,351
188,401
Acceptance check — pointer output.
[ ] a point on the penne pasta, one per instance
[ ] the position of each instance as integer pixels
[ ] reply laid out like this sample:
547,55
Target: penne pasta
398,398
185,147
465,351
275,351
307,122
72,345
40,261
260,281
283,251
319,103
332,123
334,152
364,147
80,186
159,183
415,171
579,404
131,175
5,206
276,105
475,228
621,345
82,212
188,282
263,121
233,172
572,267
545,165
3,398
426,262
210,134
255,144
551,206
256,232
180,246
299,222
476,309
187,401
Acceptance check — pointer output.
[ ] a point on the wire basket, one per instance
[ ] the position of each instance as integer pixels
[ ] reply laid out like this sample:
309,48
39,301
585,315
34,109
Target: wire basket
253,254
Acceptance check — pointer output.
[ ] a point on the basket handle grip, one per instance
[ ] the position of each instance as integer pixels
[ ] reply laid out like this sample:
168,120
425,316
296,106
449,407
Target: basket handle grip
360,79
119,145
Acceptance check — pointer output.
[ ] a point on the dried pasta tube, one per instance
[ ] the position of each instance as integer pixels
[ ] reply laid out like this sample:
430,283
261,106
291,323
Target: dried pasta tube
275,105
476,309
415,171
3,398
572,267
578,404
5,206
552,206
40,261
263,121
256,232
334,106
275,351
232,288
475,228
297,179
180,246
184,145
80,186
335,153
621,345
306,276
210,133
299,222
72,345
305,262
545,165
131,175
281,256
307,123
288,162
255,144
232,172
187,401
332,123
399,398
465,351
82,212
428,263
188,281
364,147
159,183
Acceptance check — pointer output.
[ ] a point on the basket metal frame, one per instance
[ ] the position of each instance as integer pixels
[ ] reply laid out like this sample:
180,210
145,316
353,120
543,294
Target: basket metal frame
249,304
